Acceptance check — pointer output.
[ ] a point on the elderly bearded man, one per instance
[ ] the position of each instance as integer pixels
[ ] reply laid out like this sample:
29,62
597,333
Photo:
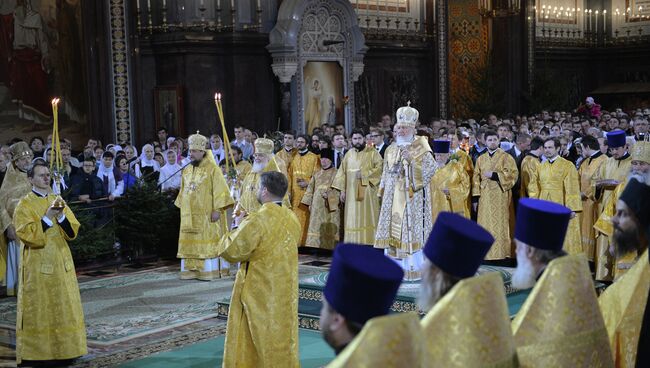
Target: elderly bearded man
405,218
264,161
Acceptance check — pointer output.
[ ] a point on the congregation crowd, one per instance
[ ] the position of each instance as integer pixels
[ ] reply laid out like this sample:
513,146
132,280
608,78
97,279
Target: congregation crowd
566,194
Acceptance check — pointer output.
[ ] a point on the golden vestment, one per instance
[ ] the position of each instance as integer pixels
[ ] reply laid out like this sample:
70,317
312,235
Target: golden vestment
324,213
404,219
589,206
302,167
262,328
558,182
454,178
391,341
560,324
286,156
465,160
49,320
529,166
14,187
612,169
620,264
250,186
495,212
361,210
203,191
623,305
243,168
282,165
469,326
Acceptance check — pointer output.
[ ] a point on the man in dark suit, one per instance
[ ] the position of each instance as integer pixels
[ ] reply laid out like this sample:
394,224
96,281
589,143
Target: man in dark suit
520,147
338,145
377,135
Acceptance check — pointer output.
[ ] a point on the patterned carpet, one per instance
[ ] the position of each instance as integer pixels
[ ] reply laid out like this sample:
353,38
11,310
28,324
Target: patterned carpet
133,315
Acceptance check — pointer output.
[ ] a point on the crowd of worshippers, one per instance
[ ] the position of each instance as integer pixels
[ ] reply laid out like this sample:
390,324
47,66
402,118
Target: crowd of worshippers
409,205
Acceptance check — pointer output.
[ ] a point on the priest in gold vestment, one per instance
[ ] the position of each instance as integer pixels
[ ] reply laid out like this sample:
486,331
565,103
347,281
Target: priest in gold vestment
558,325
262,329
14,187
288,151
624,302
203,199
264,161
467,323
361,288
302,168
405,219
611,173
639,170
323,203
529,165
450,184
49,319
495,174
556,180
357,180
593,160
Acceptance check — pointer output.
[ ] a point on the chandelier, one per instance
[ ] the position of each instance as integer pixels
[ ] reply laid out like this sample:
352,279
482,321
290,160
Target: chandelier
498,8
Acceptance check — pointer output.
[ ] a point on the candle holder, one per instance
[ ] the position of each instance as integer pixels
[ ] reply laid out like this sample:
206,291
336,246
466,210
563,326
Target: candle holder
138,15
219,23
233,12
259,16
202,10
164,14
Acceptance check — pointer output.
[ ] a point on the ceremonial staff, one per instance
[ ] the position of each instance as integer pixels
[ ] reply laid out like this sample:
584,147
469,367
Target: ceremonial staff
230,158
56,160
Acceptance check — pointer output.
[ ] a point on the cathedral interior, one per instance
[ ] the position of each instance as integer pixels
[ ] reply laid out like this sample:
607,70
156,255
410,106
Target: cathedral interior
125,69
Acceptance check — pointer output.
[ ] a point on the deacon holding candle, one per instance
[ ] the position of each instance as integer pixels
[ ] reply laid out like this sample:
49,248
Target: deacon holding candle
50,320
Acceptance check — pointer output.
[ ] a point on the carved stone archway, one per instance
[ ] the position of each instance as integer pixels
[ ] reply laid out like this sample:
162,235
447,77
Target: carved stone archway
316,30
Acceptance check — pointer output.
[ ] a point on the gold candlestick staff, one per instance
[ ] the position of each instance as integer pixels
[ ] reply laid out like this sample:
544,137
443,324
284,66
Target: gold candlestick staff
56,160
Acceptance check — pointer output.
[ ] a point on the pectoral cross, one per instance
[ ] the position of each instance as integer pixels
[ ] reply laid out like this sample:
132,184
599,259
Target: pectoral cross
192,186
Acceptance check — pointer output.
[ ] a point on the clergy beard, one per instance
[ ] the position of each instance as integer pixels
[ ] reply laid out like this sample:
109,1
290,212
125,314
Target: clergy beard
403,141
258,166
626,241
197,162
359,147
524,275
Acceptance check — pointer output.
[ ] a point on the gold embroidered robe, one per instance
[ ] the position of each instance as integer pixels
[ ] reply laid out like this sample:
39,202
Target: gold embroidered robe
623,305
404,218
495,212
469,326
251,185
302,167
612,169
560,324
203,190
286,156
558,182
49,320
454,178
262,328
243,168
361,209
388,341
468,165
14,187
529,166
605,227
324,214
589,206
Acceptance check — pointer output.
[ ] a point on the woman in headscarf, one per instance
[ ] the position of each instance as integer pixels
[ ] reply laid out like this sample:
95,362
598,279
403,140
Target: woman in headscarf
147,167
170,174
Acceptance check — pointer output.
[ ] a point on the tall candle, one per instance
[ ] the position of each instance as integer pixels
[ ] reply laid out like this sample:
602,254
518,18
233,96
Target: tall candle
605,21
